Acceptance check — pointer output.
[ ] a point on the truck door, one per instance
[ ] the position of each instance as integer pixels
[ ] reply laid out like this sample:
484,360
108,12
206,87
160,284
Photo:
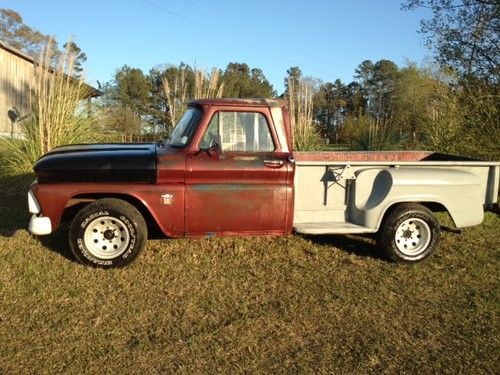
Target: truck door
242,187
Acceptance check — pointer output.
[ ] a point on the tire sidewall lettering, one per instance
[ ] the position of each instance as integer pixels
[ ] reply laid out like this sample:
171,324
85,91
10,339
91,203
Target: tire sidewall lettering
131,226
88,219
92,216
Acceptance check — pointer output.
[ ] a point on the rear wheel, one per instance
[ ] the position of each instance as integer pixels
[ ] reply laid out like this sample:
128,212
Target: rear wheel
107,233
409,233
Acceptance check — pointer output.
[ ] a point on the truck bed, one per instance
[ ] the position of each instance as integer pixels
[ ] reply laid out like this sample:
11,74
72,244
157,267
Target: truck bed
341,191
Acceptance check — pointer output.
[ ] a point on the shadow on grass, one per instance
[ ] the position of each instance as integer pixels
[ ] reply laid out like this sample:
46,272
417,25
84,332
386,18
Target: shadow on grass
14,213
363,246
58,242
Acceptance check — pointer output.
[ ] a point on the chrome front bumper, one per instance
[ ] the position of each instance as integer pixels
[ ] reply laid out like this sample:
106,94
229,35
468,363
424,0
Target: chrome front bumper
39,224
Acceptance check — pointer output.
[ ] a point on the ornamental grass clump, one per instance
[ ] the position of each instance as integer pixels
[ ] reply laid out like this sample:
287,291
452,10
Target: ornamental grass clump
300,98
58,114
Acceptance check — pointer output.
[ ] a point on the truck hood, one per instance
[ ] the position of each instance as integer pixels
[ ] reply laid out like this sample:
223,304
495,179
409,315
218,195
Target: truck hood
115,162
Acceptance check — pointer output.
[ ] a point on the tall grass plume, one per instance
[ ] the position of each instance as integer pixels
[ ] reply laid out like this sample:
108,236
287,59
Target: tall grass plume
208,85
58,114
175,93
304,133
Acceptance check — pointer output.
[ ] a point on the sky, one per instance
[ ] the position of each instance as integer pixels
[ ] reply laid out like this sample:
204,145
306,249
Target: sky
326,39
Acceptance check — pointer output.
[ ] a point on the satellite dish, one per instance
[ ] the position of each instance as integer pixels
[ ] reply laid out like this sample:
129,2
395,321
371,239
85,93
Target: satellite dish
13,114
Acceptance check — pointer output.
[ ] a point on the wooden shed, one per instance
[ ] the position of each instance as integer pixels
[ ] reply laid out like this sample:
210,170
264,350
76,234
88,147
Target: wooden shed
16,82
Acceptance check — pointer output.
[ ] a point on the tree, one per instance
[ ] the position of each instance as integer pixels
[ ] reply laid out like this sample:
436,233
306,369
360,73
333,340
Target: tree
293,76
466,40
416,96
329,107
131,91
171,87
464,35
260,85
78,55
356,100
242,82
17,34
364,73
122,121
377,82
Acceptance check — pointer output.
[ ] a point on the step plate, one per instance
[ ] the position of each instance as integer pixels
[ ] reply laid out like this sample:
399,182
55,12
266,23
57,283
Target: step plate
331,227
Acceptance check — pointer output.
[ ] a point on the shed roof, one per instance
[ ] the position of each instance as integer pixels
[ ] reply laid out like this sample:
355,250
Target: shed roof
92,92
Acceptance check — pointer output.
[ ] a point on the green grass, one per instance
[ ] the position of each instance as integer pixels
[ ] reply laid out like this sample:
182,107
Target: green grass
246,305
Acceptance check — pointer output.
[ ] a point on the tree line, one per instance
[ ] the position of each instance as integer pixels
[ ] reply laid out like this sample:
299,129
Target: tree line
385,107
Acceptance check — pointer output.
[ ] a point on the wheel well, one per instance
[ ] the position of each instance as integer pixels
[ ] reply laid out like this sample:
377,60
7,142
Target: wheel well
76,203
443,215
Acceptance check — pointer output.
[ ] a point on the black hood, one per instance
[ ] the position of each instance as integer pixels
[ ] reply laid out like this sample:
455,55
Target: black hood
115,162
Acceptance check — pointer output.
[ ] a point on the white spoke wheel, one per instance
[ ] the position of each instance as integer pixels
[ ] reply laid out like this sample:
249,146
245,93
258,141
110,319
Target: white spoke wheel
107,233
409,233
412,236
106,237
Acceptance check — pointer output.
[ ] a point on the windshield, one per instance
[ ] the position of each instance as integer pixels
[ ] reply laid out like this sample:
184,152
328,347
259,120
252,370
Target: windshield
185,128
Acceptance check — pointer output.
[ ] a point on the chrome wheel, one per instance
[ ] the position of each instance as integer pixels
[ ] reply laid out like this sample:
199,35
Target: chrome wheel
412,237
106,237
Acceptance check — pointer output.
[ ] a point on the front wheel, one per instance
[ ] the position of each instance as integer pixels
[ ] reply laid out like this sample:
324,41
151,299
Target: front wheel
107,233
409,234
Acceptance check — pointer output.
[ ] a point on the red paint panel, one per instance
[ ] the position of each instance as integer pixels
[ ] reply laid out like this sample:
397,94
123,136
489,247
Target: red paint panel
54,197
248,208
235,194
171,164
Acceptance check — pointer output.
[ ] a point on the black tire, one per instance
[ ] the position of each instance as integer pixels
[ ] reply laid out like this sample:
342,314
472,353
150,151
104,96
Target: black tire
107,233
409,233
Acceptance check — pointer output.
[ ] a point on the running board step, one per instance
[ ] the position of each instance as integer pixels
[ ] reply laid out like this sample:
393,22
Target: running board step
331,227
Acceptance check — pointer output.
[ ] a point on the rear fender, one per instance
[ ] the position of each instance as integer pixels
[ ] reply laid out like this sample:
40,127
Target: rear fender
376,190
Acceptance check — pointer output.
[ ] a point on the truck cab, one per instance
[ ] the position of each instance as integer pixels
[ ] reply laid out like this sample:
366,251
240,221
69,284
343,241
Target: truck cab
239,170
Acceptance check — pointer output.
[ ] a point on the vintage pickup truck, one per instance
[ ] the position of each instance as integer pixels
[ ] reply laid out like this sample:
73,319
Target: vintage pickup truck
228,169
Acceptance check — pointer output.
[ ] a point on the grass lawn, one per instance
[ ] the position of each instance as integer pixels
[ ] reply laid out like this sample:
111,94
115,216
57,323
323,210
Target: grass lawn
246,305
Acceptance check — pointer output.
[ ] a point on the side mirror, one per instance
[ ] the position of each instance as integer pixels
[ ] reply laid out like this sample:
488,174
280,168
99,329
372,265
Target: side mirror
215,145
214,148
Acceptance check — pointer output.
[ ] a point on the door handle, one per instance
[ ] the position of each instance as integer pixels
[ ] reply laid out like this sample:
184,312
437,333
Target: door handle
274,163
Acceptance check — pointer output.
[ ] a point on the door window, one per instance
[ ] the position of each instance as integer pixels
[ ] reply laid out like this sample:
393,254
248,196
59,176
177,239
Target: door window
239,131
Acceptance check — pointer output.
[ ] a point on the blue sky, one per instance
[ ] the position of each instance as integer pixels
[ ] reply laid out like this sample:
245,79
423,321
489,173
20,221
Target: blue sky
327,39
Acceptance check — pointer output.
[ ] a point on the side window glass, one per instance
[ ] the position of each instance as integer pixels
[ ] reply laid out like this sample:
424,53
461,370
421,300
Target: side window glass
239,131
212,132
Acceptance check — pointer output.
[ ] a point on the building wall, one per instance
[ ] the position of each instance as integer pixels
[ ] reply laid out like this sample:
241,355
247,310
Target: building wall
16,81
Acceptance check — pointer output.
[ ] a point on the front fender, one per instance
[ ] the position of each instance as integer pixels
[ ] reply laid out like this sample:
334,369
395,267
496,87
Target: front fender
54,198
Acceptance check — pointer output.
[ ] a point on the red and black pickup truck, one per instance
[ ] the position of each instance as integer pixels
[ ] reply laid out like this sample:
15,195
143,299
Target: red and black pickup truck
228,169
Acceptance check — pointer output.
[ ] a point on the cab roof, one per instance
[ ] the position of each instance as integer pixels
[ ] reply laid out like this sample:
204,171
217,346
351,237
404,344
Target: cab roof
250,102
